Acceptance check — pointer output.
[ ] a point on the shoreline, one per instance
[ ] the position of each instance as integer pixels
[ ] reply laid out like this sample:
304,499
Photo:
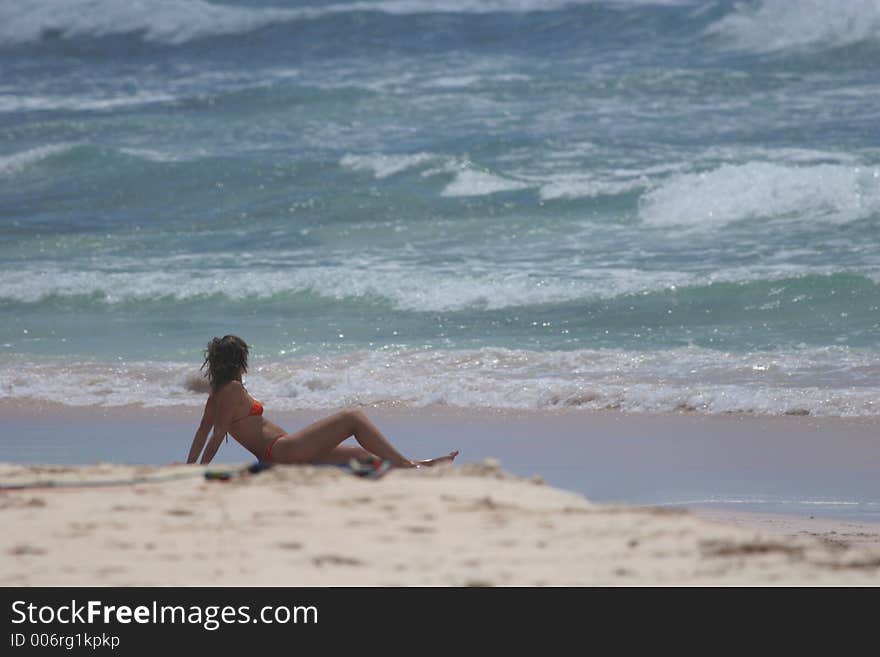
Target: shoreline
738,464
832,530
42,407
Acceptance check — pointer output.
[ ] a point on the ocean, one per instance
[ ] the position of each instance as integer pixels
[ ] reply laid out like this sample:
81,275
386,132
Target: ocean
622,204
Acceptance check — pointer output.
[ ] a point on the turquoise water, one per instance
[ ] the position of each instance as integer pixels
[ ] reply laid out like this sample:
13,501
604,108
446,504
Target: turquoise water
622,204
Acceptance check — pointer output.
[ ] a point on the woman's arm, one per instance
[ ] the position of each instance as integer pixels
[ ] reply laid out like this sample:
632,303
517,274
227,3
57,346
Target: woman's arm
220,430
202,432
222,417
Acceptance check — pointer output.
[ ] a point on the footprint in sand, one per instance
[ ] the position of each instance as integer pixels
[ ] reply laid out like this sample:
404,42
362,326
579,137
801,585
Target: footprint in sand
125,508
19,502
179,512
289,545
80,529
110,570
336,560
26,550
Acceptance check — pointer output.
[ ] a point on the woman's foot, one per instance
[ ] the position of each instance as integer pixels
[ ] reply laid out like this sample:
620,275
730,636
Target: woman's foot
427,463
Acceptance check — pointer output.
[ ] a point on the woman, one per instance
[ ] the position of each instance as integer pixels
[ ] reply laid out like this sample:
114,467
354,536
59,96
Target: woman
230,409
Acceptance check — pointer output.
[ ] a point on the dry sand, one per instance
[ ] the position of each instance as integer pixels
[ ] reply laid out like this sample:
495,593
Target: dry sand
462,525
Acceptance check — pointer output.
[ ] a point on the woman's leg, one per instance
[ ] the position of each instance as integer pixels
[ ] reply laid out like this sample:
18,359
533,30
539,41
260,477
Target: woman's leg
344,454
319,440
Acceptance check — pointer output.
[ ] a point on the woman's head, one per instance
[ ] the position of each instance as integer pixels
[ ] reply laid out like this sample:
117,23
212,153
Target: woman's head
225,360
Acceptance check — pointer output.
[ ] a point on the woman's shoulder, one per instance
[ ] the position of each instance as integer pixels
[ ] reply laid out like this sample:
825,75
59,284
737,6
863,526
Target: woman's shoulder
228,390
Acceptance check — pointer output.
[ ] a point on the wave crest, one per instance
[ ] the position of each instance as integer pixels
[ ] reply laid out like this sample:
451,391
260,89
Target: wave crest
175,22
415,290
830,381
12,164
731,193
783,25
162,21
419,290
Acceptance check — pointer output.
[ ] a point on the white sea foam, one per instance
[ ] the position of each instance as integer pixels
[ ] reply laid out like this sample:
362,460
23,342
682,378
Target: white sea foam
731,193
471,284
466,81
558,178
825,381
798,156
412,289
468,179
78,103
471,182
834,185
586,186
12,164
176,22
162,21
383,166
154,155
783,25
455,81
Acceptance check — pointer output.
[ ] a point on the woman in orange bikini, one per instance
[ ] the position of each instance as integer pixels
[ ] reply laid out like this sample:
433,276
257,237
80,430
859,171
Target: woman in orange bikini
230,409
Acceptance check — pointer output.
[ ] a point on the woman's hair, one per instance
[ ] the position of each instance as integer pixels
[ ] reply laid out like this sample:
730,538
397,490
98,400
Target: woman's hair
224,358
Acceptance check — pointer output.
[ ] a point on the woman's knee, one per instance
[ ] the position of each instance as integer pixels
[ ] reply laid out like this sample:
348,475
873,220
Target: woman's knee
354,416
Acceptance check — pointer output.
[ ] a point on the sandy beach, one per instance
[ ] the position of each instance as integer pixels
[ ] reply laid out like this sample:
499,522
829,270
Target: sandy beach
468,525
530,520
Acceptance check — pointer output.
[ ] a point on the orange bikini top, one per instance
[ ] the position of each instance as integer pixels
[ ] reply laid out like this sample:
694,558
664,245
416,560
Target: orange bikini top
256,409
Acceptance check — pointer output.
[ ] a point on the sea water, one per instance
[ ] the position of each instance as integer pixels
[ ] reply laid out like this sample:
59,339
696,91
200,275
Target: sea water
631,204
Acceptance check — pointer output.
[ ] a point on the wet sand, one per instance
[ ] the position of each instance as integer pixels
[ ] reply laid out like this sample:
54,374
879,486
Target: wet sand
825,467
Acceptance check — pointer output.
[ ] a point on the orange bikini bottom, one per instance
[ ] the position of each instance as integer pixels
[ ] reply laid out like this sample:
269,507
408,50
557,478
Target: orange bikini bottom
267,457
